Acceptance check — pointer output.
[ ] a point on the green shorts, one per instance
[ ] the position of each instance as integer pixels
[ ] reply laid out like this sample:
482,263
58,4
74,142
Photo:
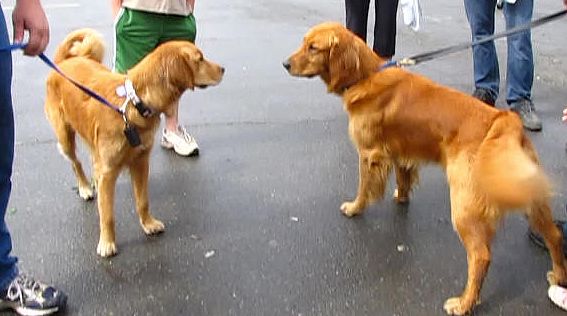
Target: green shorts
139,32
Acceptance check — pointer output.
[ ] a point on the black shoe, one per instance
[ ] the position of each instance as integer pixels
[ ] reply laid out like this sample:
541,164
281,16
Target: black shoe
538,239
484,96
29,297
526,110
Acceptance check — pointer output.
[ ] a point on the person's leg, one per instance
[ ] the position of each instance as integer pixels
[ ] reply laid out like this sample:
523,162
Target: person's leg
8,269
175,28
174,135
18,292
385,28
520,72
357,17
480,14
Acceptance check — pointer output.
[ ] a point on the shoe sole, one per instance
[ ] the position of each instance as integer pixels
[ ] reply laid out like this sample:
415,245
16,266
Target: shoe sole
29,311
533,129
193,153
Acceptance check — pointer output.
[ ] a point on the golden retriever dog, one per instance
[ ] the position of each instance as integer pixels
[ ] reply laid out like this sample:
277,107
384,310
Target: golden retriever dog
159,80
399,120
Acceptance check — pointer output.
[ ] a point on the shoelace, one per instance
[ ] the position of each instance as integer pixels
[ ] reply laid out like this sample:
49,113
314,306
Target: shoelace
16,290
184,134
529,108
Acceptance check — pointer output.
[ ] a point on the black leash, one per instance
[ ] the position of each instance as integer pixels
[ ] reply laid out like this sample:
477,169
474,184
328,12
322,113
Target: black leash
416,59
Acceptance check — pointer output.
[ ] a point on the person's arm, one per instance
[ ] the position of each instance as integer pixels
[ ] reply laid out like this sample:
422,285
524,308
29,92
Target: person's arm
28,15
565,2
192,4
116,4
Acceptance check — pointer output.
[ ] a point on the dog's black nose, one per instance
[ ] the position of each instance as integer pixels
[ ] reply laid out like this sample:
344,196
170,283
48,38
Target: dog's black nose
286,65
222,70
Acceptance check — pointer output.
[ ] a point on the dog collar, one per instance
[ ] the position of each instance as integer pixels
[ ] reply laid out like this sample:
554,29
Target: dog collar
388,64
127,90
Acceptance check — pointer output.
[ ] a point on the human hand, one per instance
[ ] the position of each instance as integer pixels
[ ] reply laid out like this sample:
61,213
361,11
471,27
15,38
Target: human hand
28,15
564,117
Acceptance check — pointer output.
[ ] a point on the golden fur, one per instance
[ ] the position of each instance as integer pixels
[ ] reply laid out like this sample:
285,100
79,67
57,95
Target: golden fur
399,120
159,80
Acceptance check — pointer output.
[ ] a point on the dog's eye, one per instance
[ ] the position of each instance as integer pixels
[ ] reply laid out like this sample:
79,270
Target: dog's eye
313,48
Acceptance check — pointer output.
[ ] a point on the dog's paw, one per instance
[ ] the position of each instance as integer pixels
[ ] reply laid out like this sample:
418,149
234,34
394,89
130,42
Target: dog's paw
400,198
106,249
554,279
350,209
551,279
153,226
456,306
86,193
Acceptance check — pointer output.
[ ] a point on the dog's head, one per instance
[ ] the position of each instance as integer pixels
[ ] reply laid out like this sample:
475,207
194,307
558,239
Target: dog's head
190,67
180,65
332,52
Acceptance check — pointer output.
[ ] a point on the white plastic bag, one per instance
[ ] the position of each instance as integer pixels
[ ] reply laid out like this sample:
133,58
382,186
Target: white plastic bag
411,11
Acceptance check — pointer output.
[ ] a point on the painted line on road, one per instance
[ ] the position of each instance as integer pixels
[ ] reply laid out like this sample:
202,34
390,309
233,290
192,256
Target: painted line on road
51,6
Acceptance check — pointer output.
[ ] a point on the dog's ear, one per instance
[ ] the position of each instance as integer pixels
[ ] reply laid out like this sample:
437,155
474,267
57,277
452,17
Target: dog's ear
344,62
181,69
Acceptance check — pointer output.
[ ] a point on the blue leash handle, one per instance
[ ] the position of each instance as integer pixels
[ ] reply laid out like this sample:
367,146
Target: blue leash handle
51,64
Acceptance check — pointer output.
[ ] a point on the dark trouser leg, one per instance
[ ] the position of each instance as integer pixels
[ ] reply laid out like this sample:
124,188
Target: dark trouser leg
385,28
357,16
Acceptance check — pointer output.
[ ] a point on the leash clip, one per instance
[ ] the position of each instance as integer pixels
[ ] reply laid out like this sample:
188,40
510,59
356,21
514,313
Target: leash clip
407,62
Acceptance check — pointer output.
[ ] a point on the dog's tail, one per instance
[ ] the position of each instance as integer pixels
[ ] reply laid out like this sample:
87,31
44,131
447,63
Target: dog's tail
81,43
507,168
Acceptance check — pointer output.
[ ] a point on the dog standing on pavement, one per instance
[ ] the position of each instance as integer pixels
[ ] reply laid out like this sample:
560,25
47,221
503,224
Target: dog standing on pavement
399,120
158,81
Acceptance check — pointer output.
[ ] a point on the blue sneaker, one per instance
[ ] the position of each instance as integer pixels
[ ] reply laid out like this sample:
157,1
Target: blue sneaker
29,297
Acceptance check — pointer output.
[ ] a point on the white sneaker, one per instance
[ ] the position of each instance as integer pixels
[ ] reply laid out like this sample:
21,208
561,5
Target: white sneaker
558,295
180,141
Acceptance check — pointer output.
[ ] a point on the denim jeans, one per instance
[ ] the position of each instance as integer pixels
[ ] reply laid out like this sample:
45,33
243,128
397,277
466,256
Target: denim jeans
8,269
520,65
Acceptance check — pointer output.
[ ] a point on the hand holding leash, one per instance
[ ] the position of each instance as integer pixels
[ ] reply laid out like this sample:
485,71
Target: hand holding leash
28,15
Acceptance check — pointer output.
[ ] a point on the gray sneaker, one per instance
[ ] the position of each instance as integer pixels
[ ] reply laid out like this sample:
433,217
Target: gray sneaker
484,95
526,110
27,296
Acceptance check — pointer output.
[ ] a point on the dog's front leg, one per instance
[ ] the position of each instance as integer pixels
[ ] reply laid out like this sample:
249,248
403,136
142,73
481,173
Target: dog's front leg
373,172
139,171
106,182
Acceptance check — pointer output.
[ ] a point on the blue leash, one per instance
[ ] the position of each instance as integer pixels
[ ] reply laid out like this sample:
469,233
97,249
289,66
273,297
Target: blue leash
51,64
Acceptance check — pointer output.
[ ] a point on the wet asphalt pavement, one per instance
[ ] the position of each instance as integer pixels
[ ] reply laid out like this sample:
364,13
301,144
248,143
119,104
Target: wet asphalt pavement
253,224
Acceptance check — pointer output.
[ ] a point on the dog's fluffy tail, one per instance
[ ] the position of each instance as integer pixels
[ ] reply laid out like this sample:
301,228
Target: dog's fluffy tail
507,168
81,43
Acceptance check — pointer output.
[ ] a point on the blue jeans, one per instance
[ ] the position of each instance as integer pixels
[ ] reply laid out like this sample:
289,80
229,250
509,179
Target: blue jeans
8,269
520,65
